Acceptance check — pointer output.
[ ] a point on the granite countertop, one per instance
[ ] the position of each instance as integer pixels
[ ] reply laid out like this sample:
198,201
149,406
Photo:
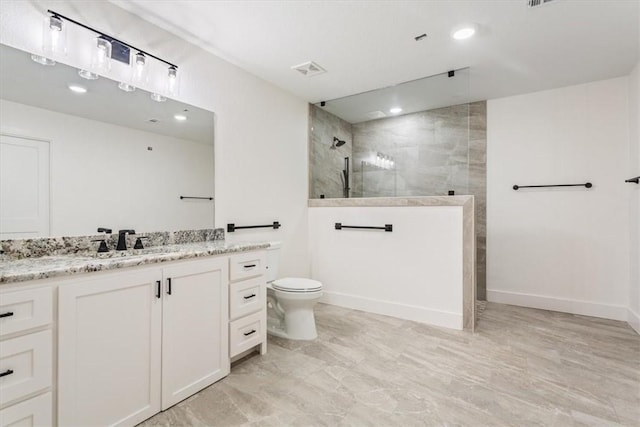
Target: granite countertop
21,270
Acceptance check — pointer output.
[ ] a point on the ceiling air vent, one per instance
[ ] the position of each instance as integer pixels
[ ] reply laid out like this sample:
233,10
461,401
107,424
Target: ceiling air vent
309,69
536,3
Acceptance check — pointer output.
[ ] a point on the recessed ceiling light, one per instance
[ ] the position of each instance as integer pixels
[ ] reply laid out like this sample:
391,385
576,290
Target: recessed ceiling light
395,110
77,88
180,117
463,32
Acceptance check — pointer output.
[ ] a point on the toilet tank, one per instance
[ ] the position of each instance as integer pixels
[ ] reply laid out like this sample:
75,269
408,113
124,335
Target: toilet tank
273,261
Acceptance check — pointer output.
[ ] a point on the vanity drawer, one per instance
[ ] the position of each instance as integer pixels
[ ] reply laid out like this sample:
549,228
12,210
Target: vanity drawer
247,297
247,332
22,310
26,364
247,265
36,411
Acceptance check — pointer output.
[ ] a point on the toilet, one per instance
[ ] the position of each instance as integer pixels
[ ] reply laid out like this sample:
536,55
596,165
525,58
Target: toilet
290,302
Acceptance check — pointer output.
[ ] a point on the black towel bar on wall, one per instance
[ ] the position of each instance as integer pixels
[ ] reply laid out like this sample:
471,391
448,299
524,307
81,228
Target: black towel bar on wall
586,184
635,180
387,227
232,227
200,198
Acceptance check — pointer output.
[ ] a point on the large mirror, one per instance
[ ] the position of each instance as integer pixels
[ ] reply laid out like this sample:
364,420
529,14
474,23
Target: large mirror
80,154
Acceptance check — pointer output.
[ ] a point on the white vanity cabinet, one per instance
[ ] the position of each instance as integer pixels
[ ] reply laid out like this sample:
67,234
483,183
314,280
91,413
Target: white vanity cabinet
247,303
26,344
137,341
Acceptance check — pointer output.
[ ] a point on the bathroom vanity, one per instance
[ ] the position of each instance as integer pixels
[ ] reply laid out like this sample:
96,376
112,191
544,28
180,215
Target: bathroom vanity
113,341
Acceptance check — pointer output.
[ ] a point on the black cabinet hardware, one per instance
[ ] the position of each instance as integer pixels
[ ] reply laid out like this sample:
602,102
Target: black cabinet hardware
387,227
249,296
159,290
232,227
635,180
169,286
586,184
7,372
253,331
104,230
7,314
249,266
199,198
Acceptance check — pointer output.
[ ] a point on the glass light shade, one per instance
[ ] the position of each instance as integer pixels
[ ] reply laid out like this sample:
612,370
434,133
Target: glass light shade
158,98
126,87
86,74
101,56
139,69
173,81
54,37
43,60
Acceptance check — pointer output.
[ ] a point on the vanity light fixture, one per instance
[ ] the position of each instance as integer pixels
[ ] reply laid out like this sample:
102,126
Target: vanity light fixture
395,110
77,88
106,48
463,32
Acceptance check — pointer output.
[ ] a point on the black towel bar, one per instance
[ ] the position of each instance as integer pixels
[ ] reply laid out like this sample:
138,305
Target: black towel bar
201,198
387,227
635,180
232,227
587,185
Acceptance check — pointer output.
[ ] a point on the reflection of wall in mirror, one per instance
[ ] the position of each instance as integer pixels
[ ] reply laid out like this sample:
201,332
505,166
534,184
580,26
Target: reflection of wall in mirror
105,175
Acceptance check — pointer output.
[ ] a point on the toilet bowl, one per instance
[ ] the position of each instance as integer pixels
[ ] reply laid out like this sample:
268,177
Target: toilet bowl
290,302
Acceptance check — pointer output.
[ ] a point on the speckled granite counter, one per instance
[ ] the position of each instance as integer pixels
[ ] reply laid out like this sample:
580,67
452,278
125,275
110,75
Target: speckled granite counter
64,265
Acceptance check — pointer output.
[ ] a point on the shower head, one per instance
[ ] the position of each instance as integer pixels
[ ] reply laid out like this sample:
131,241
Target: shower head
337,143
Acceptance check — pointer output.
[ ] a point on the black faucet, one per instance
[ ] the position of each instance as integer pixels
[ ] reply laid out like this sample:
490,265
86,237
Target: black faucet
122,239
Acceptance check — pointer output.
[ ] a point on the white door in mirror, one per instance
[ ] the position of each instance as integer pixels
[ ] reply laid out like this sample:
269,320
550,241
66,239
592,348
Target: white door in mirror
24,187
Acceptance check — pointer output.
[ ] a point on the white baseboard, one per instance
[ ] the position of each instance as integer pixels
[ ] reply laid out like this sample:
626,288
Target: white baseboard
585,308
403,311
633,319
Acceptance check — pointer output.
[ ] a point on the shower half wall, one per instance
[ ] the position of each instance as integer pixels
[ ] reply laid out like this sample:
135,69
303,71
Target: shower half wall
427,153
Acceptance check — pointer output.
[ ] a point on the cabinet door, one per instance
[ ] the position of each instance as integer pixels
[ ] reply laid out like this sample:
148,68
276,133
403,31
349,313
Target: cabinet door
195,353
109,349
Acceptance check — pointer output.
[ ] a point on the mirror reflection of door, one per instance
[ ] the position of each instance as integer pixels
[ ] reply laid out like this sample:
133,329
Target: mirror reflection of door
24,187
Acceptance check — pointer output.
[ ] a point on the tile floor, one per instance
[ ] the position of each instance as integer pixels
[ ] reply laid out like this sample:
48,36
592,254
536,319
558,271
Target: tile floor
523,367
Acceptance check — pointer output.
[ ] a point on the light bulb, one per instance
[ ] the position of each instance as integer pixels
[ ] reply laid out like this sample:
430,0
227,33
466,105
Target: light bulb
139,69
101,57
172,81
53,36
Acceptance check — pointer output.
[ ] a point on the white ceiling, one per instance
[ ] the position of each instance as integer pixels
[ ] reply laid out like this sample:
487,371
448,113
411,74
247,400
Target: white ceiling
365,45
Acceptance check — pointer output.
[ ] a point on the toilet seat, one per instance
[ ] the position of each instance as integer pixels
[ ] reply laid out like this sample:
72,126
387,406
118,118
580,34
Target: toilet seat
296,284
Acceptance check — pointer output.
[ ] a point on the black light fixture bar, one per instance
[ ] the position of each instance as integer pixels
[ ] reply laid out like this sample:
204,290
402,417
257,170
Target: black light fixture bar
586,184
232,227
635,180
73,21
387,227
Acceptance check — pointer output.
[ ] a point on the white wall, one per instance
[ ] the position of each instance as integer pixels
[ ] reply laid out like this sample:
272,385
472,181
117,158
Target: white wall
560,249
634,197
102,175
414,272
261,131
